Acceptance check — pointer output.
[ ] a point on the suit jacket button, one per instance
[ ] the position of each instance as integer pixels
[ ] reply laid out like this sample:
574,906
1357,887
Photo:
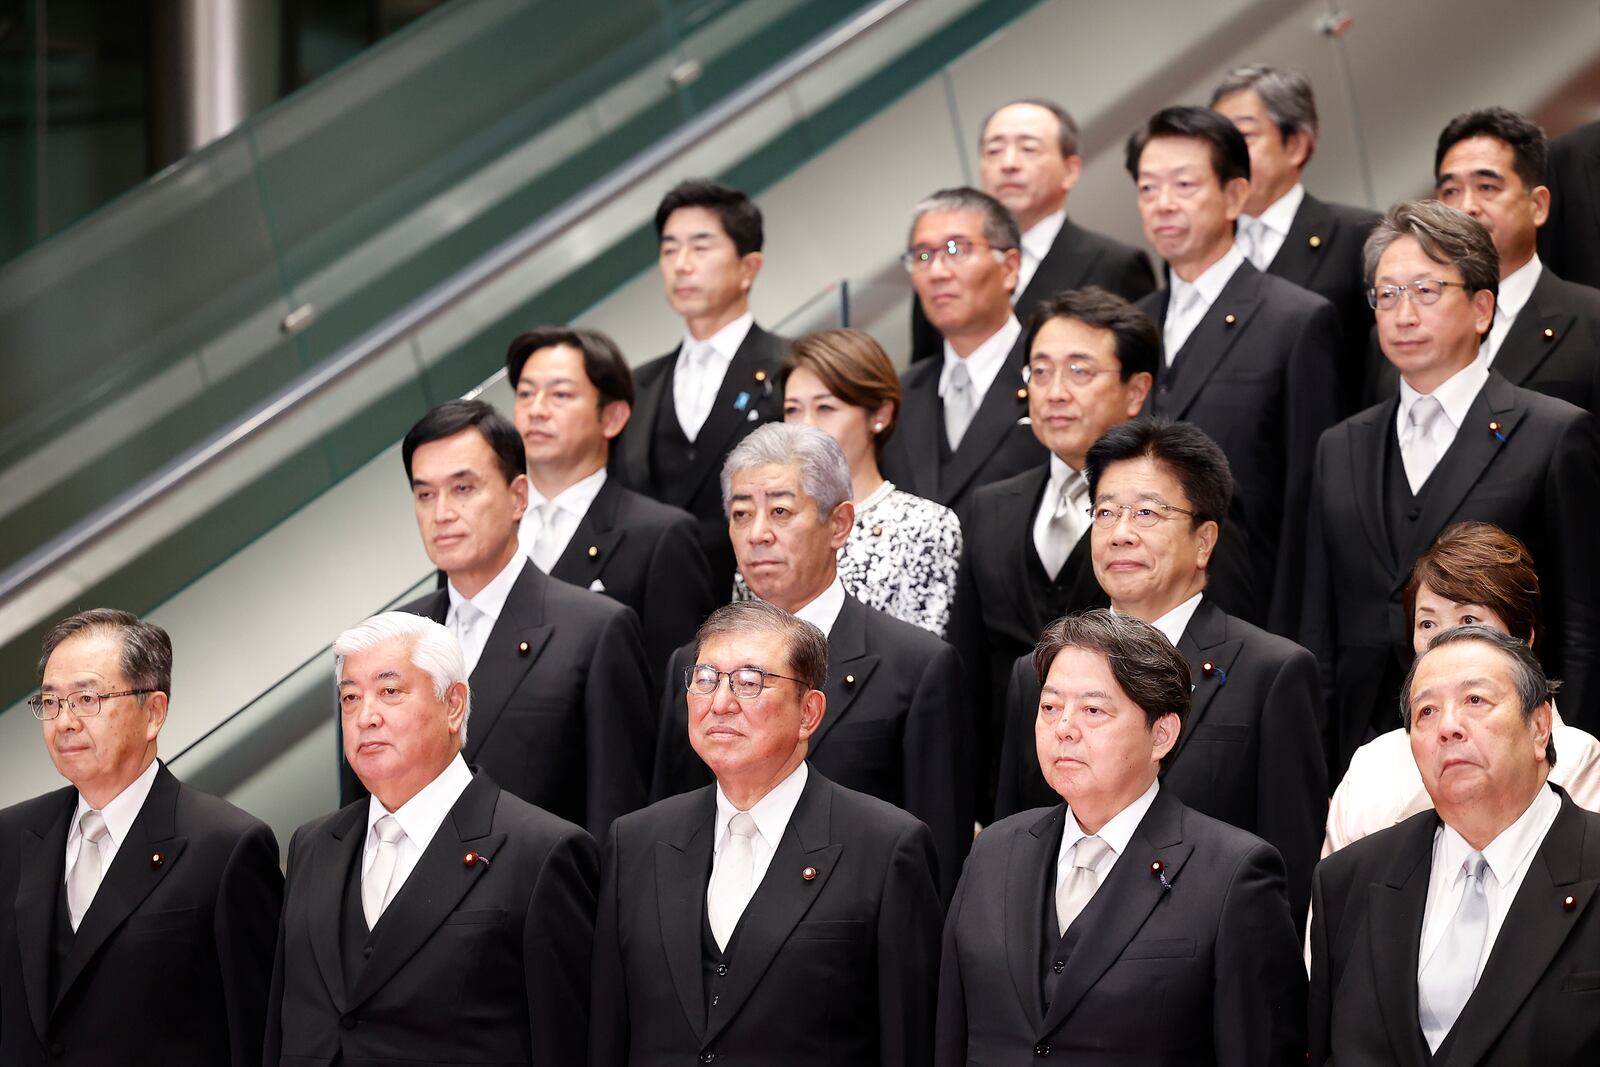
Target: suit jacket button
348,1022
707,1057
1164,389
1058,966
722,969
1041,1050
1414,514
367,952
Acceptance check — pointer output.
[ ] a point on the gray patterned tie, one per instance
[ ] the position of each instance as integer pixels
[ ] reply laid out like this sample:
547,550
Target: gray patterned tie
86,870
959,405
375,886
1066,524
1078,887
1420,452
1452,972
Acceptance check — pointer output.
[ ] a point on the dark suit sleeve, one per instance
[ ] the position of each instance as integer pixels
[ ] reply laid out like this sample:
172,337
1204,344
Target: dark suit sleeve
1138,280
909,923
619,723
1318,631
1572,485
273,1046
1319,1011
678,594
950,1033
1235,577
1016,745
557,948
245,926
971,644
1292,777
1259,1003
678,768
608,997
936,749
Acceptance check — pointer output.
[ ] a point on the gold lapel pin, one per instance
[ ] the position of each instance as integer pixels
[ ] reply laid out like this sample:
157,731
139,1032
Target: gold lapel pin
1314,241
761,375
849,679
1230,319
1549,334
522,647
156,860
594,551
1022,394
811,872
1156,867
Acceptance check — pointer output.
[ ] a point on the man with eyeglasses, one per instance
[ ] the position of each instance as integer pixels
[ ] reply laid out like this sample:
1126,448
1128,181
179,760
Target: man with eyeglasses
772,916
1250,753
1460,443
137,915
898,722
962,422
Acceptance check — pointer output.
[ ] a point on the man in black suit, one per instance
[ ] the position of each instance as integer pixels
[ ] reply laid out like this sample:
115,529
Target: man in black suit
1466,935
898,722
1250,753
1249,357
963,418
442,919
1459,443
697,401
574,396
561,691
1284,230
138,914
1569,242
1121,927
1028,160
773,916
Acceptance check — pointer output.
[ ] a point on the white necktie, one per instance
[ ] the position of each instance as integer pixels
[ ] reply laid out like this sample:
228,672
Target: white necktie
1254,243
692,393
375,888
467,624
959,404
1078,887
1450,975
1497,334
1420,452
1178,326
731,881
544,552
86,870
1066,525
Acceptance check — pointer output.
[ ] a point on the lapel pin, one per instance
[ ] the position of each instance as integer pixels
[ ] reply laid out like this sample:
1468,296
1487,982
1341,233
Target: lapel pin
1549,334
1230,319
1208,669
1159,869
1494,428
522,647
1569,903
811,872
849,679
156,860
877,531
1022,394
472,859
761,375
741,401
1314,241
594,551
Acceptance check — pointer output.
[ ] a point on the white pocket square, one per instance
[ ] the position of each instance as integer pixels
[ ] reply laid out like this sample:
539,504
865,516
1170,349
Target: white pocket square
597,586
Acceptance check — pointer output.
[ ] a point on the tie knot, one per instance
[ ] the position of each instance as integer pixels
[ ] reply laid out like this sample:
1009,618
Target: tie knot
1475,866
1424,410
1074,492
1089,852
92,825
743,824
388,830
960,377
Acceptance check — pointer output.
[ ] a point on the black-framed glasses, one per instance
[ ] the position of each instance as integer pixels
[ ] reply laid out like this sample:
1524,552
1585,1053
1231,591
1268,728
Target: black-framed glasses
84,703
746,683
919,259
1144,516
1423,291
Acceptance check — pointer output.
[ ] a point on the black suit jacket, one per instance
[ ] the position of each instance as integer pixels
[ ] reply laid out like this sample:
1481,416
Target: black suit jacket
1535,478
561,702
1250,753
836,967
172,960
485,963
745,400
897,727
1077,257
1534,1003
1259,375
648,556
1569,242
1186,953
998,443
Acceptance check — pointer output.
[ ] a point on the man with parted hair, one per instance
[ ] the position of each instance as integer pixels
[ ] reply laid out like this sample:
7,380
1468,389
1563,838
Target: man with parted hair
1028,159
1467,934
773,916
1459,443
1122,926
137,914
963,417
440,919
898,723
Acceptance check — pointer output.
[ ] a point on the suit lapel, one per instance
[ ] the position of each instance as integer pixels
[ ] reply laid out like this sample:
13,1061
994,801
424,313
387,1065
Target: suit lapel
1003,405
330,863
1204,641
1394,925
1065,266
1208,346
434,887
518,637
594,542
1131,893
41,866
849,666
1032,856
920,429
1017,508
782,899
683,869
1298,259
133,874
633,452
1368,437
744,388
1535,333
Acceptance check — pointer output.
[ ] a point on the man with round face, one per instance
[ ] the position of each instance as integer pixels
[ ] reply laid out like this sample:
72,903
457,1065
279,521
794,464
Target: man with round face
138,914
771,908
1459,443
1248,357
1455,951
1102,880
438,871
574,395
898,726
696,402
1546,332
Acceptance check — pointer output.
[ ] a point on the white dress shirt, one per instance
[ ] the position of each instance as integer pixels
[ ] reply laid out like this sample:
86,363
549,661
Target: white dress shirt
695,391
1117,832
1189,301
1035,246
1455,395
1060,475
771,813
420,818
1516,289
1174,622
490,602
1262,236
119,813
822,611
571,505
985,361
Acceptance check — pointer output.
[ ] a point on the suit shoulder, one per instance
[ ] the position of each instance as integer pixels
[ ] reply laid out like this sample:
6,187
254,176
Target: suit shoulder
656,821
1548,409
34,810
1351,215
1284,296
531,823
770,346
862,815
1017,483
654,367
1264,644
323,822
903,637
1109,246
921,371
1575,296
214,813
1364,858
1221,840
651,515
576,606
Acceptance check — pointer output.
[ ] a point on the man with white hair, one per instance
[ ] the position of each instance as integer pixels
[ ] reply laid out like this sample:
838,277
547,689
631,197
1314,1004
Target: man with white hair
440,919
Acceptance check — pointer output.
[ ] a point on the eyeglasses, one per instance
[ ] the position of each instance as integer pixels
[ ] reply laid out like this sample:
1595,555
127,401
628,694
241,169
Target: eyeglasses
954,250
746,683
84,703
1424,291
1042,375
1145,516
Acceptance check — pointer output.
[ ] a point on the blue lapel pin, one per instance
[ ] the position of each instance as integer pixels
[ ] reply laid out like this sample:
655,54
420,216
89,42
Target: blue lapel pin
741,402
1494,428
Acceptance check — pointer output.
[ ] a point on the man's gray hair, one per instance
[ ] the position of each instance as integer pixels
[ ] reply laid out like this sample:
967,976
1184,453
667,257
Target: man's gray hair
146,660
999,228
1527,675
1066,125
1286,94
824,472
434,650
1446,235
805,647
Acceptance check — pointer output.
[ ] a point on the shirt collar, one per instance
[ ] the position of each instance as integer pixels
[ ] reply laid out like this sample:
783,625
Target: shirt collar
575,498
822,611
491,599
1060,471
771,813
1516,288
122,809
726,341
421,816
1506,852
1118,830
1175,622
984,364
1455,394
1042,234
1279,215
1212,280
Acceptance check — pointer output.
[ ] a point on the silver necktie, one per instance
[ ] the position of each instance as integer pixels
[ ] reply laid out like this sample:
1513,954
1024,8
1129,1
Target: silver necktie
1451,973
959,405
1078,887
1419,452
375,886
87,869
1066,524
731,882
